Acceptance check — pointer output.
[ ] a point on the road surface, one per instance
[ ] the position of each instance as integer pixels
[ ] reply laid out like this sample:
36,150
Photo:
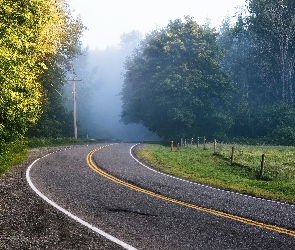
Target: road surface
105,187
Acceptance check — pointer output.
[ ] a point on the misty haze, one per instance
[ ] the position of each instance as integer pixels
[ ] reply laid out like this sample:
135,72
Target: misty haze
98,96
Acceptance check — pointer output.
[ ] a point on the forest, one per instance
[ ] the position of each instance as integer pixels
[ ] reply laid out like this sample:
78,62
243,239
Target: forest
188,80
182,80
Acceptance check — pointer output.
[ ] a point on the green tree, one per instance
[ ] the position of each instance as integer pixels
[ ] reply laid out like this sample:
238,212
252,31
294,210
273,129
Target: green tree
272,24
260,58
174,83
34,34
56,120
26,36
243,66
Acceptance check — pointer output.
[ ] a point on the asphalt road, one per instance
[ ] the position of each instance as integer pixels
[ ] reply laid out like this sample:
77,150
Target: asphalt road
148,210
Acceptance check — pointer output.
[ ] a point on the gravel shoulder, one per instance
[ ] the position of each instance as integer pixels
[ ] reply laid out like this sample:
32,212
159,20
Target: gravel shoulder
27,222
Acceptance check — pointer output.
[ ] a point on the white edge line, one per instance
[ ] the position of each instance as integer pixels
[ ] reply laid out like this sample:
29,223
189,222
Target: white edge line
199,184
84,223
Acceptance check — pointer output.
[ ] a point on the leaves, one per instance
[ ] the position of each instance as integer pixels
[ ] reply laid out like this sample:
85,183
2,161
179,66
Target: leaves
31,35
272,23
174,83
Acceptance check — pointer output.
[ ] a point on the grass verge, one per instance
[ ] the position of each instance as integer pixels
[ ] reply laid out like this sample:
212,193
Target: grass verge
202,165
36,142
12,154
15,153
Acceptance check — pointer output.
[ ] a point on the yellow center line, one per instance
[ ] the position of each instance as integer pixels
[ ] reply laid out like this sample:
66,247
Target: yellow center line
93,166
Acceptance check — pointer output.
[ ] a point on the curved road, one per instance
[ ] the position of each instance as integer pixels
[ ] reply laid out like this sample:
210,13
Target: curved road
106,187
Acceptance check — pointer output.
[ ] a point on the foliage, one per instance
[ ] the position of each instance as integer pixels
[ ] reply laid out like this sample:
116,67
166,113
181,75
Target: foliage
203,166
272,24
14,153
19,66
260,58
37,142
11,154
32,34
56,120
174,84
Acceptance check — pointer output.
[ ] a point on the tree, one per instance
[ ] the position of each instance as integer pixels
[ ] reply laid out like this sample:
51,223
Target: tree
32,34
174,83
130,40
56,120
23,28
243,66
260,56
273,25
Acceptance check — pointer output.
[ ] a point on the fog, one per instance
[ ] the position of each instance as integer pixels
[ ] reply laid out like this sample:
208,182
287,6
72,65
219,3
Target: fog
98,93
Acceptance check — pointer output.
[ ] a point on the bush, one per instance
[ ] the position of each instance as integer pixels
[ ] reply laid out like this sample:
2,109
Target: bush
283,136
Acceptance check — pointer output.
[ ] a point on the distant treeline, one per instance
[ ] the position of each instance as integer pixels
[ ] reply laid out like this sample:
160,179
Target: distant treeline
187,79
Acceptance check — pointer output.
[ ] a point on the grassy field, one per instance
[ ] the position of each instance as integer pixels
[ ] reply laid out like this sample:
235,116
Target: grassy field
202,165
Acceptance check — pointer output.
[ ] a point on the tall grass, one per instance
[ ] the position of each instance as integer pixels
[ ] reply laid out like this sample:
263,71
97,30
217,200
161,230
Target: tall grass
15,153
202,165
37,142
12,154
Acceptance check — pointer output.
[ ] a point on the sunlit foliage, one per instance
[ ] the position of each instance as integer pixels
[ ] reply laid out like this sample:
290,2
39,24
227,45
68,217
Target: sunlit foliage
32,33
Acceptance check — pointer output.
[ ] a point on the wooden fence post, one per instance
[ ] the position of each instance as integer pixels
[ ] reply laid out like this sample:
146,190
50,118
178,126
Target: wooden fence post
214,146
232,158
172,146
204,142
178,147
262,166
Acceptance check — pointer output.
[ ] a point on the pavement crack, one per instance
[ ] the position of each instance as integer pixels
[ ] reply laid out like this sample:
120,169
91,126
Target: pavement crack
122,210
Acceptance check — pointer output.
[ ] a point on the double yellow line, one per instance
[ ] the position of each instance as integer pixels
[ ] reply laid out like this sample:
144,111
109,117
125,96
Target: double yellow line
93,166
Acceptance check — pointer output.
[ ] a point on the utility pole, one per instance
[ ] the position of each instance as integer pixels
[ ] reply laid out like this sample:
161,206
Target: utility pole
75,105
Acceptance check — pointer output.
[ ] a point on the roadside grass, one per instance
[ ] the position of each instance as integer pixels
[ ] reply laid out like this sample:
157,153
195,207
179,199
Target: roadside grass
15,153
12,154
36,142
202,165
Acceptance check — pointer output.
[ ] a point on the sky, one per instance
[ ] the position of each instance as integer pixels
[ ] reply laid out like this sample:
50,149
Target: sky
107,20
